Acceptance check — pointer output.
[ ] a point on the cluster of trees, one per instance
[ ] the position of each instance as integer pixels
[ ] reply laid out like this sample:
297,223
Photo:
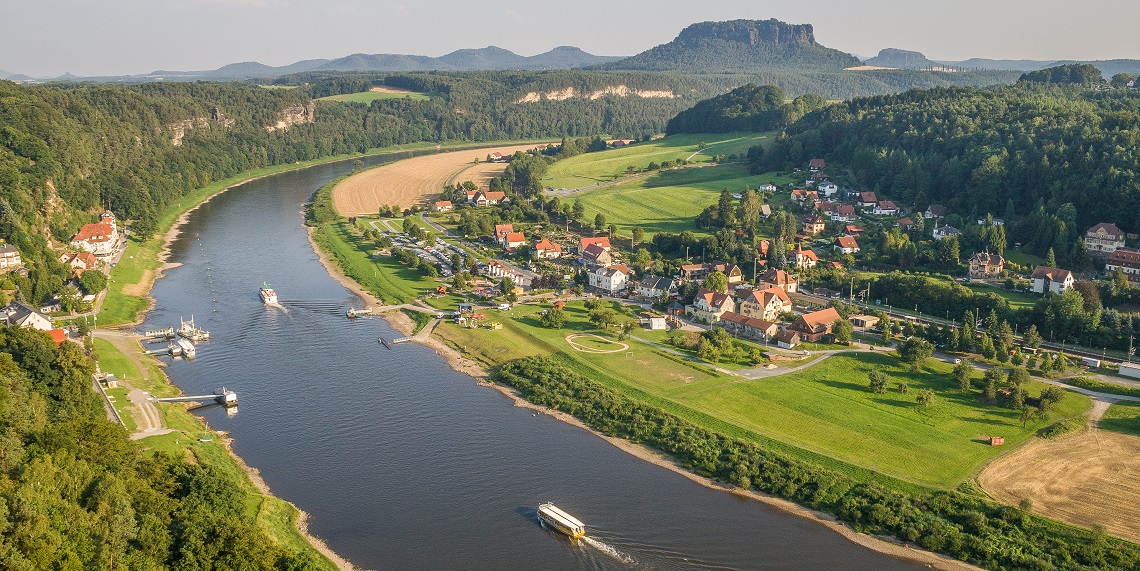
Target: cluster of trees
1053,159
78,495
746,108
1075,73
966,527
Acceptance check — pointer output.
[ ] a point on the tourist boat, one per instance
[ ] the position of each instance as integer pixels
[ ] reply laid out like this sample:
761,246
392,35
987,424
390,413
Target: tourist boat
191,332
188,350
267,294
551,516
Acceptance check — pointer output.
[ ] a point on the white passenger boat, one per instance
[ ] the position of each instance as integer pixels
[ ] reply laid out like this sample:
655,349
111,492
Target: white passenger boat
552,516
267,294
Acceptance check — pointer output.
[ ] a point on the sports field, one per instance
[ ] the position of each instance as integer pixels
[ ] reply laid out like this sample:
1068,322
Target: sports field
668,201
377,93
606,166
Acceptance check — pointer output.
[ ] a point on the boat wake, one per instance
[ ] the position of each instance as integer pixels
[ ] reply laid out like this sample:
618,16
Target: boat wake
277,305
608,550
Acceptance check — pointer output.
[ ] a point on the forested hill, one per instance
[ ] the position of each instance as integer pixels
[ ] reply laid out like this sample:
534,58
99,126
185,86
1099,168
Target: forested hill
1052,160
747,108
739,45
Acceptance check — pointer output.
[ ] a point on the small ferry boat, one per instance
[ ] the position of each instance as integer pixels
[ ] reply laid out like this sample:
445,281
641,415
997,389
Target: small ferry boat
267,294
188,350
191,331
550,515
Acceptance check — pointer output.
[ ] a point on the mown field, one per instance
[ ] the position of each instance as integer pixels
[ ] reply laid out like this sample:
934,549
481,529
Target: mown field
370,96
386,278
1017,300
605,166
825,413
669,201
1123,417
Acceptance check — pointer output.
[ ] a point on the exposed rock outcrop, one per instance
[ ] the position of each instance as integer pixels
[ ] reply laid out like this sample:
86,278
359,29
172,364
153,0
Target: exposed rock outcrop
294,115
616,90
179,128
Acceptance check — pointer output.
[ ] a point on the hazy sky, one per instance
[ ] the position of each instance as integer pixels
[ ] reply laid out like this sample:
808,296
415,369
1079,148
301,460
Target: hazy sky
118,37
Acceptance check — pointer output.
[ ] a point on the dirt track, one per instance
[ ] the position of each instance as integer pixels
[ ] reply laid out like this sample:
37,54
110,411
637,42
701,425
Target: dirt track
1084,479
414,181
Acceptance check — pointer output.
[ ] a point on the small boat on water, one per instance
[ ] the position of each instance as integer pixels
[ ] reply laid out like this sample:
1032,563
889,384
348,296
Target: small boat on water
353,313
552,516
188,350
267,294
191,331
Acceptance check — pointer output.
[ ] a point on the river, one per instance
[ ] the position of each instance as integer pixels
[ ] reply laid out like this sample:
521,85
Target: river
404,463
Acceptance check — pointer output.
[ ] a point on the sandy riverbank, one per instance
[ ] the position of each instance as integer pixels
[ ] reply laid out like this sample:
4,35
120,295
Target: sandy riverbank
459,363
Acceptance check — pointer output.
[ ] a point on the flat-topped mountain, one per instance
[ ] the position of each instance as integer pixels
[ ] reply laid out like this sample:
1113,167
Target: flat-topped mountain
905,59
738,45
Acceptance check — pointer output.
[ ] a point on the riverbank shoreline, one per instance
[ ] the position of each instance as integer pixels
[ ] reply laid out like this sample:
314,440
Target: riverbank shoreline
461,364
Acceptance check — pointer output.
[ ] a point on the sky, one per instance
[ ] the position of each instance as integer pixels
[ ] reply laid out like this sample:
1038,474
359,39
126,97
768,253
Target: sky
46,38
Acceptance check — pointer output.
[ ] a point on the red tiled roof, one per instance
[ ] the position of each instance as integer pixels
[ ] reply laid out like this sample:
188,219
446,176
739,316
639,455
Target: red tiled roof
1052,274
94,233
58,336
847,242
602,241
820,318
513,237
546,245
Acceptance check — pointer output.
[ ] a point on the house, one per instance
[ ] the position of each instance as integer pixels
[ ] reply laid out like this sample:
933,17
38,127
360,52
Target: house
99,239
730,271
844,213
58,336
471,195
814,224
1104,238
499,269
1127,260
767,187
654,322
79,261
847,245
766,304
20,315
778,279
868,199
765,211
817,177
814,326
996,222
708,306
443,206
943,232
801,195
816,164
486,197
745,326
1046,279
547,250
886,208
602,242
787,339
501,231
675,308
986,265
108,218
935,211
653,287
9,258
804,259
694,271
827,188
762,248
854,230
596,254
610,279
905,223
513,240
863,322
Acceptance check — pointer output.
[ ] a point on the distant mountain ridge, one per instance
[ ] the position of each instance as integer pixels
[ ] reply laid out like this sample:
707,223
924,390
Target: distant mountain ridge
738,45
904,59
894,57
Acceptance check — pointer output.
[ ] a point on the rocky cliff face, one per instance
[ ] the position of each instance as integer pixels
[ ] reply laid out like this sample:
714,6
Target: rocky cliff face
216,119
751,32
294,115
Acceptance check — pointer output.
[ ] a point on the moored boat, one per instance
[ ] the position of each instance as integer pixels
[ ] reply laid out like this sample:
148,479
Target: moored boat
267,294
554,517
191,331
188,350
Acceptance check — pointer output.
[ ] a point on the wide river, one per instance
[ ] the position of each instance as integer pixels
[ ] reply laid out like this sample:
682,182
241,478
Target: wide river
402,462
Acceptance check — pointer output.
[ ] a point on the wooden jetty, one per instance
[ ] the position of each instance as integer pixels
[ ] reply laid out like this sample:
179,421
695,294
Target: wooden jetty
384,343
399,340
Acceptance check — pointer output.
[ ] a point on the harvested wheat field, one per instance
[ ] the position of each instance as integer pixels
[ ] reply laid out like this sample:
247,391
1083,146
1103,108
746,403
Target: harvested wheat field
1084,479
413,181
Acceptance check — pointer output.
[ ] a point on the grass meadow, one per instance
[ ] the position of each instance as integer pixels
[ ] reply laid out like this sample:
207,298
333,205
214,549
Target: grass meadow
367,97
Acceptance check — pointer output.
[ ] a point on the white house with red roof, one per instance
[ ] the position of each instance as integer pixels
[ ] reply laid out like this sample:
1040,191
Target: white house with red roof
766,304
708,306
847,245
1055,280
79,261
601,241
610,279
547,250
886,208
99,239
514,240
444,206
868,199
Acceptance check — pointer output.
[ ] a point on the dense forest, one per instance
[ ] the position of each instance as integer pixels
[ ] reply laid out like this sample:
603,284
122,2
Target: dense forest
747,108
75,494
1052,160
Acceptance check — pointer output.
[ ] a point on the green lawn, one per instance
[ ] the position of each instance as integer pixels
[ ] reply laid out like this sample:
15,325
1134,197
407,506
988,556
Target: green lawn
1023,258
120,401
1017,300
605,166
370,96
386,278
1123,417
668,201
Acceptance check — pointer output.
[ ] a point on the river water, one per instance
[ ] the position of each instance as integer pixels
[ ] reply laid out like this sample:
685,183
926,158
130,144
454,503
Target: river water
402,462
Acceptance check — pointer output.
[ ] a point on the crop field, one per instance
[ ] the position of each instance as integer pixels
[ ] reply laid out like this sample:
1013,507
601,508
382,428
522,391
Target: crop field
668,201
415,180
606,166
377,93
1084,479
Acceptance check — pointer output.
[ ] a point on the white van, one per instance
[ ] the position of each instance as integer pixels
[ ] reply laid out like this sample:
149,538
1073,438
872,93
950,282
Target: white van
505,306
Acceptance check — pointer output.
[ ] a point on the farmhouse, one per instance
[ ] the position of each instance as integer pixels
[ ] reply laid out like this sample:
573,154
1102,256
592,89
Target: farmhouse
9,258
99,239
814,326
745,326
986,265
847,245
1127,260
778,279
547,250
1046,279
886,208
1104,238
766,304
708,306
610,279
443,206
602,242
595,254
